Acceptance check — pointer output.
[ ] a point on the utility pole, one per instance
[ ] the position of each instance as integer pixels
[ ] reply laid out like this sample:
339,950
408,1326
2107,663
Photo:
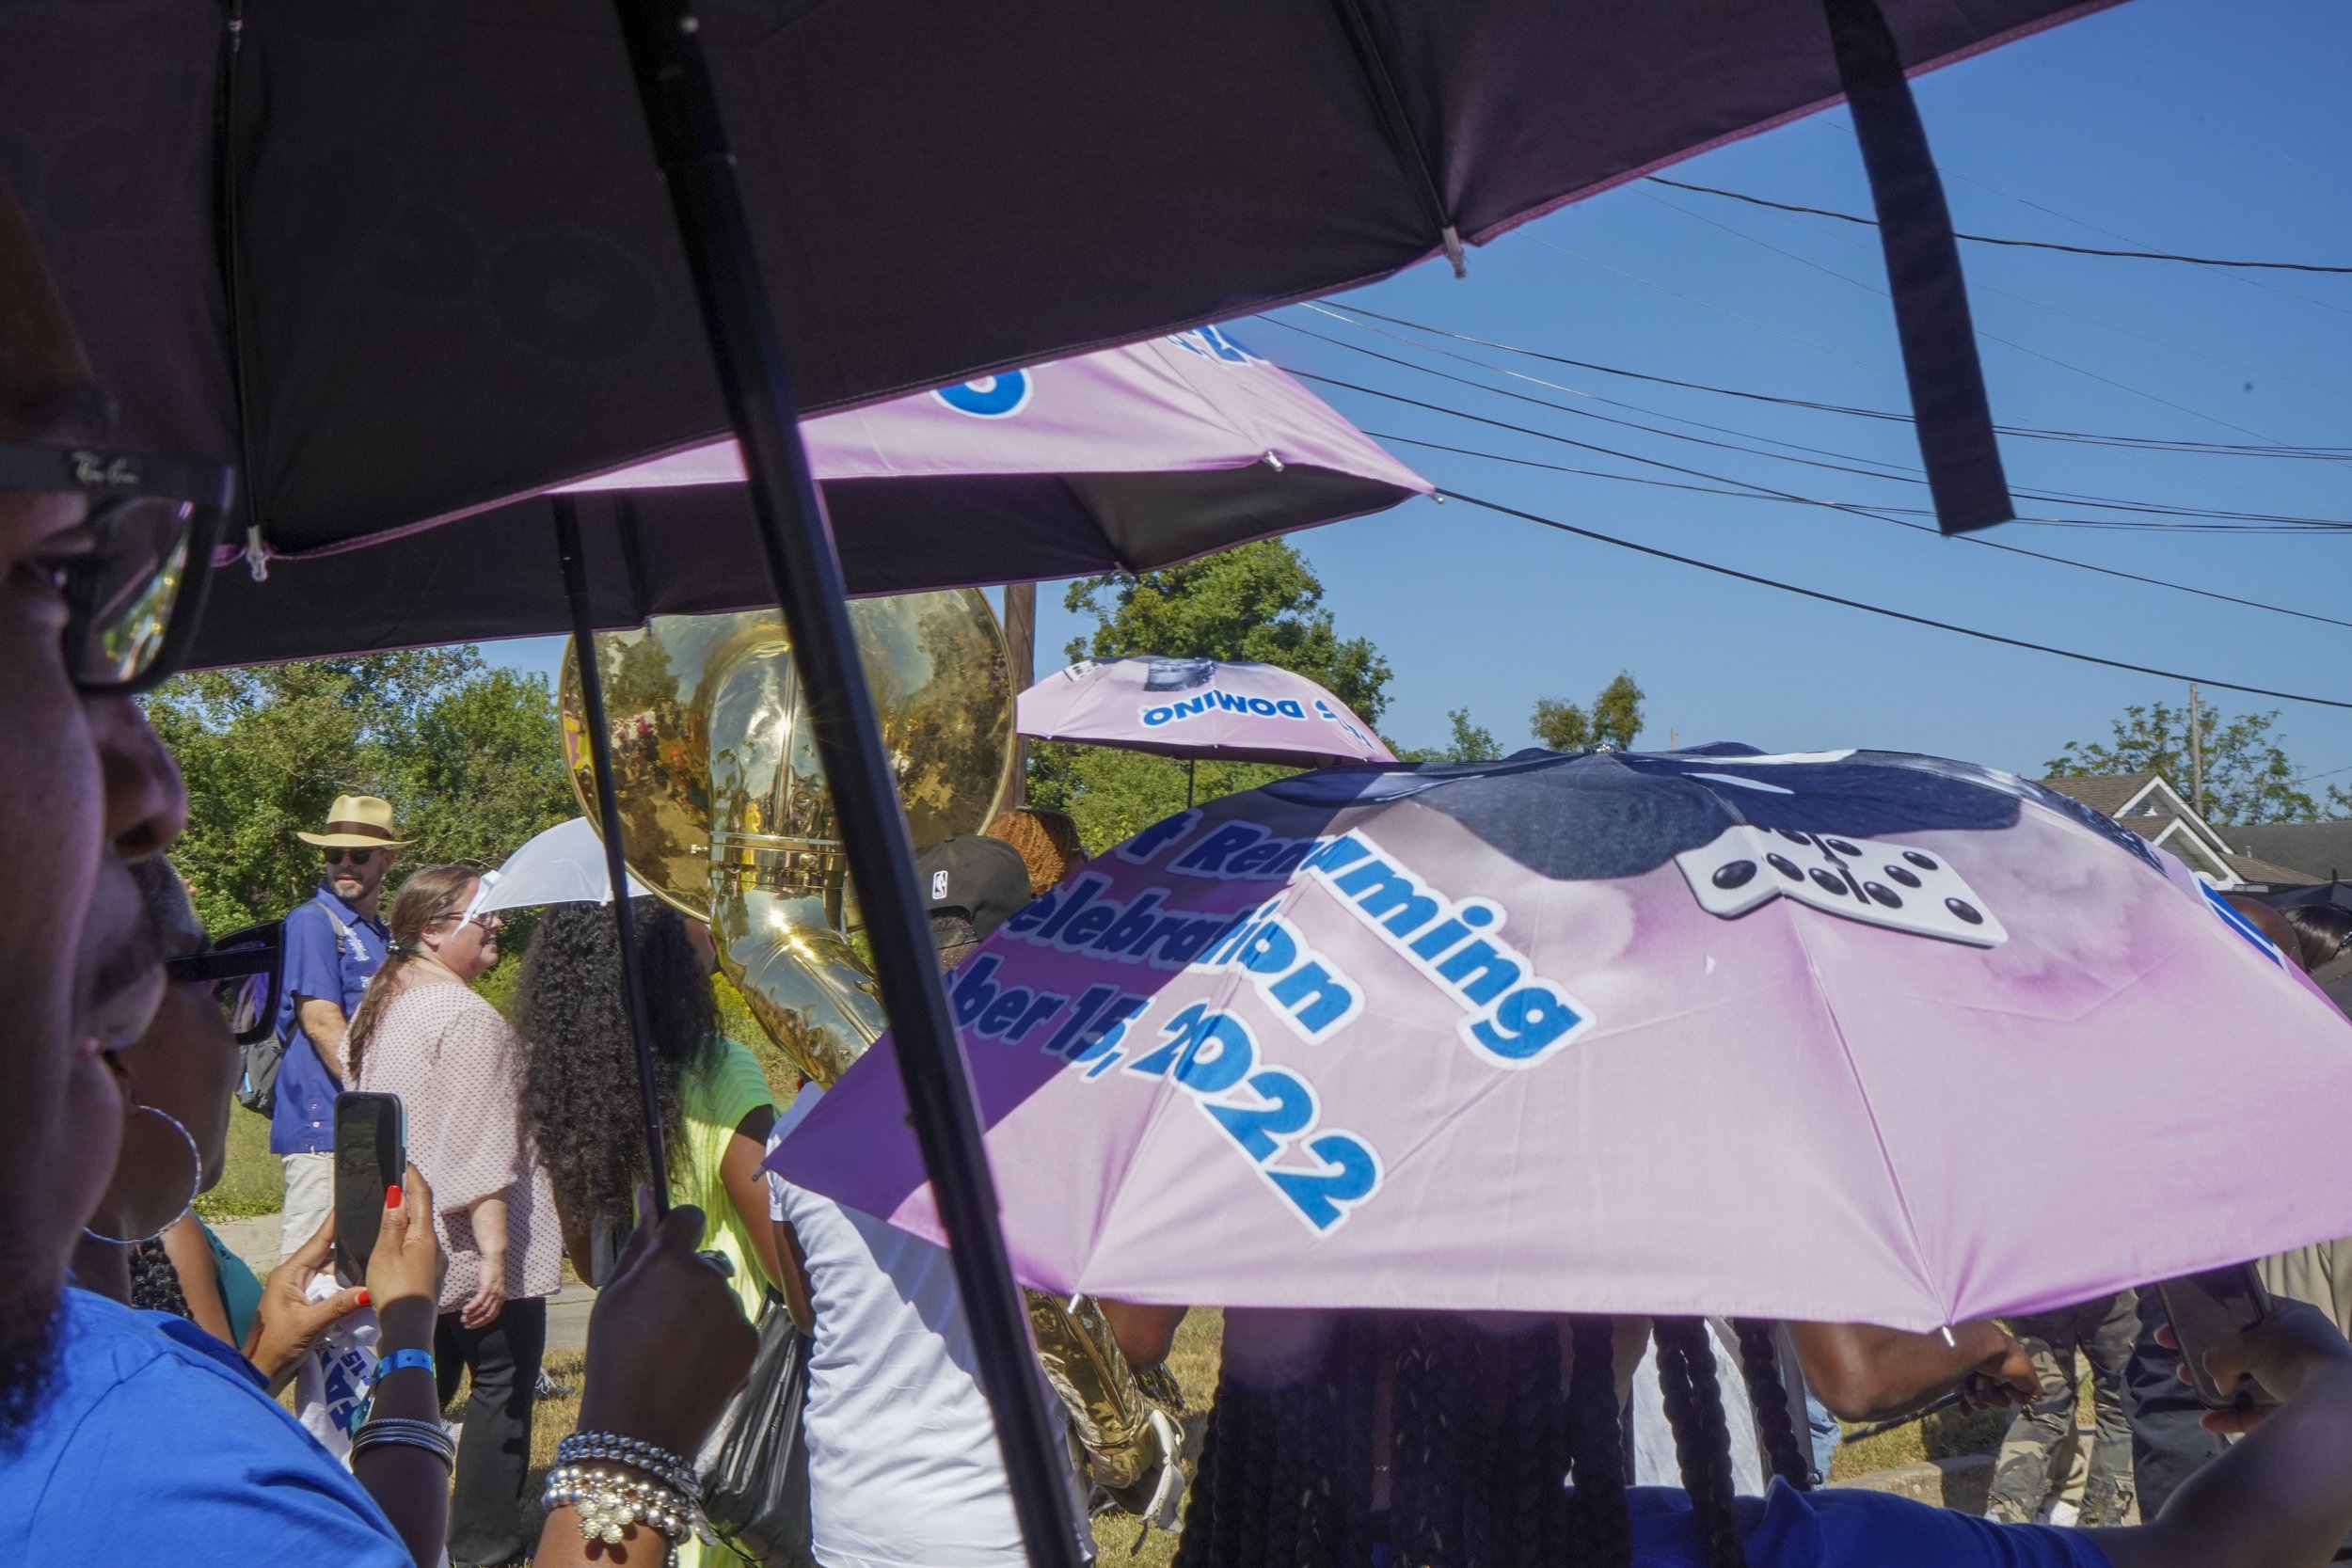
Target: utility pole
2196,752
1021,649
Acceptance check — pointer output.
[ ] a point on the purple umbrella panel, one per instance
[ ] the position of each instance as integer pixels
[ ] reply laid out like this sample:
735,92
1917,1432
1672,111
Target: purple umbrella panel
1684,1033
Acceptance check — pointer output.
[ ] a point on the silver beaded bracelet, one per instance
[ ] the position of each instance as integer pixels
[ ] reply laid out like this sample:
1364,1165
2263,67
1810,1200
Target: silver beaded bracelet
669,1468
608,1501
431,1436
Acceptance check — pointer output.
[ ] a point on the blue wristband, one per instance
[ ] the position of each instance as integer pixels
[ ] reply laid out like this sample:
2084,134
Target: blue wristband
400,1360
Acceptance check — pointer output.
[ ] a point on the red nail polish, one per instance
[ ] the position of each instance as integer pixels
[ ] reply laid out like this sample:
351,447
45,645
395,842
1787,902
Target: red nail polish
391,1195
364,1298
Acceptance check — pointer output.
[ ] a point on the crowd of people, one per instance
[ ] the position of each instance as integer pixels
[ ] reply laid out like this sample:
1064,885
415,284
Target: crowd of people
139,1433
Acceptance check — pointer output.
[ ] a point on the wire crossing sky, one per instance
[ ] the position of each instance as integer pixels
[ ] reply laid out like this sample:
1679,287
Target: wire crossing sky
1719,381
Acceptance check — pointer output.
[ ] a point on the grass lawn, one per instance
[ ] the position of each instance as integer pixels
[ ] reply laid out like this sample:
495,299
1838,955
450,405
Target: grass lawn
253,1182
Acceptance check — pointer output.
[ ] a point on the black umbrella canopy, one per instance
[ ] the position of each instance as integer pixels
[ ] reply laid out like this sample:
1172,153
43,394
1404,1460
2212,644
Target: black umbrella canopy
405,259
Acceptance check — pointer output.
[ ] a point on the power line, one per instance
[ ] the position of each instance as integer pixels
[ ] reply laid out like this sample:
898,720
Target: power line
1882,609
2057,496
1882,515
2225,448
2021,244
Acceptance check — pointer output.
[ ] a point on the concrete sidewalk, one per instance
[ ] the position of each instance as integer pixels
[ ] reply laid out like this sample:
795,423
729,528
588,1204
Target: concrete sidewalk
255,1240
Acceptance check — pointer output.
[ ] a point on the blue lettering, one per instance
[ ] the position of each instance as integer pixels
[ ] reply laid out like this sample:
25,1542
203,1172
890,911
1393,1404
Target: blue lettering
975,989
1288,708
1526,1024
1060,1042
1208,856
1317,1000
1379,889
1153,838
1496,974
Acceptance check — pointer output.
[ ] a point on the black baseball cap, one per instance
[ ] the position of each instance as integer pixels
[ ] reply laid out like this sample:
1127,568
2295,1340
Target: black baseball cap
983,878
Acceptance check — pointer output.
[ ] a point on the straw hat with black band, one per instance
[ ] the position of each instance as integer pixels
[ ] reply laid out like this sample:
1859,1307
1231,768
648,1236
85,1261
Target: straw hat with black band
357,822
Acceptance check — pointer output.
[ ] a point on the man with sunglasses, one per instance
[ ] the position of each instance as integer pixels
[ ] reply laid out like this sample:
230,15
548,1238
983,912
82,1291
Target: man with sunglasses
334,944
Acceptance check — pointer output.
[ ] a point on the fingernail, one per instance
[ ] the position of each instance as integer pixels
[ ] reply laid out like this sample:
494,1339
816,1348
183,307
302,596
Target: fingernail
364,1297
391,1195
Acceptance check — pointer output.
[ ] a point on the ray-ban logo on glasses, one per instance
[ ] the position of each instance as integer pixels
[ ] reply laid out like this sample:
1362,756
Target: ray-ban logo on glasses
96,470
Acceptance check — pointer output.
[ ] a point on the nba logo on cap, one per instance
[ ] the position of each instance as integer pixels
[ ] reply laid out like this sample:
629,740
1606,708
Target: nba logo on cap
939,885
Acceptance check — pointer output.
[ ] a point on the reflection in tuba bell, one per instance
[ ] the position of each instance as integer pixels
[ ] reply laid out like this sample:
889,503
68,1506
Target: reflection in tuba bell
725,814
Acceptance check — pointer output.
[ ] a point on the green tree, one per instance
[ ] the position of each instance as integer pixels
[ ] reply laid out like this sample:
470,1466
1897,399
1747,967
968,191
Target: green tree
2248,776
1613,720
470,758
1258,601
1468,742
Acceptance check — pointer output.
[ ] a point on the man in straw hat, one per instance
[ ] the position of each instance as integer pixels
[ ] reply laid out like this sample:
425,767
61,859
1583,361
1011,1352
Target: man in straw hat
334,944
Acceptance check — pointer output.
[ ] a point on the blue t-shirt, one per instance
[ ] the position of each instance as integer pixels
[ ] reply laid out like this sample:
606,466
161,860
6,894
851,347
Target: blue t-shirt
157,1444
1844,1528
322,965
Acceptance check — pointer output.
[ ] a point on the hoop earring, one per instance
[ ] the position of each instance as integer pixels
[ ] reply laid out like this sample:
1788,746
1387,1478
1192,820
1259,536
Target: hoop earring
196,1183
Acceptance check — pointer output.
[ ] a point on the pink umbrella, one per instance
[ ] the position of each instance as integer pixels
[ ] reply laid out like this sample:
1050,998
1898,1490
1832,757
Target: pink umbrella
1696,1032
1234,710
1145,455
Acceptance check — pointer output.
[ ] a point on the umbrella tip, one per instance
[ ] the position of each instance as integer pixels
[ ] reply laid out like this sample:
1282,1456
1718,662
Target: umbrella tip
256,552
1273,460
1453,251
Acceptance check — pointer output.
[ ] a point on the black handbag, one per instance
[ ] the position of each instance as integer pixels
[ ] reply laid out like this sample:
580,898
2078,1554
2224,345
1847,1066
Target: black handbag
257,1087
755,1467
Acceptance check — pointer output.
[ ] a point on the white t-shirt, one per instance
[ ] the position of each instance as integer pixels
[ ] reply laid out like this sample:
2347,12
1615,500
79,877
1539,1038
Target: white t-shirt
903,1467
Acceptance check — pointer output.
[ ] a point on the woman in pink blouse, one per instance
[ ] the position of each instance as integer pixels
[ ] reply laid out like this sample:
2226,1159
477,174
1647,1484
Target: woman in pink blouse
422,1034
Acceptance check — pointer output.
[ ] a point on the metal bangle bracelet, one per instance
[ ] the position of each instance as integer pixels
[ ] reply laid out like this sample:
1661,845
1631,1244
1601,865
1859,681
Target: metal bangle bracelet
409,1432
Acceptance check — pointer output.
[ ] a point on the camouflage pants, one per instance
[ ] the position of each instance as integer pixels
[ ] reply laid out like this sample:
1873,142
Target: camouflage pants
2103,1330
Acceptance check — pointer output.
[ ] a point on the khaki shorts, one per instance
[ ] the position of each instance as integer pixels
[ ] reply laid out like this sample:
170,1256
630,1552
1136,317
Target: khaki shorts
310,1197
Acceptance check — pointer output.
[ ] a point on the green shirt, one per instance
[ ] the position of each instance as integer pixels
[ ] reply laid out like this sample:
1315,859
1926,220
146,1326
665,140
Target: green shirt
715,1101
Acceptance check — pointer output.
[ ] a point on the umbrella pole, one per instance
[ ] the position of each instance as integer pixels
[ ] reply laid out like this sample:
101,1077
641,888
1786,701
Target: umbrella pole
1188,782
681,107
609,827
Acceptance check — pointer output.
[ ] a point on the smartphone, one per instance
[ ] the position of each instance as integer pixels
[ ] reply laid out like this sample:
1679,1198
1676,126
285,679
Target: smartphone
2207,1309
370,1155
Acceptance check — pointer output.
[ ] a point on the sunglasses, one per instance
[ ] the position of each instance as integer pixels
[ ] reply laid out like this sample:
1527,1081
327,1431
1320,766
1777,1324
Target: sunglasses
133,601
247,970
356,857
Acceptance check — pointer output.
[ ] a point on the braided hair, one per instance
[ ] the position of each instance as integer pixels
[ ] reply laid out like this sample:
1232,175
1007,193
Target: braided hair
1694,1408
154,1283
1768,1397
1600,1535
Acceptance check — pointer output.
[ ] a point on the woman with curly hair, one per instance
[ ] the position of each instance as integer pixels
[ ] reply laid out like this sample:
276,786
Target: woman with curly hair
581,1092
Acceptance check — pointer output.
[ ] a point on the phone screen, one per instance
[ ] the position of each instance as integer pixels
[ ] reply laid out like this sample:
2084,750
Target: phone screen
2207,1309
370,1155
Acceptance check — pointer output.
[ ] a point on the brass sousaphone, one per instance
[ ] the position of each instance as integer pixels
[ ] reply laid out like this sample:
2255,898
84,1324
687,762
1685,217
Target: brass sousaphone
725,815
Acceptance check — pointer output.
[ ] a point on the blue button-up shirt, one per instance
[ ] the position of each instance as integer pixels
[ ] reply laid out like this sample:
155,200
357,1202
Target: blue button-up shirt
321,966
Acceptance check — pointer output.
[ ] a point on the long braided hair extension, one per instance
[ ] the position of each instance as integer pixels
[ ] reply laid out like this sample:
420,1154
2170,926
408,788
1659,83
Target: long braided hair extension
1694,1408
1768,1396
1529,1464
1438,1369
1599,1533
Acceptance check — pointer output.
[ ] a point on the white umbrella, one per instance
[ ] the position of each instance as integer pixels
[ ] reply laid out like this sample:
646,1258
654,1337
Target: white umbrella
561,865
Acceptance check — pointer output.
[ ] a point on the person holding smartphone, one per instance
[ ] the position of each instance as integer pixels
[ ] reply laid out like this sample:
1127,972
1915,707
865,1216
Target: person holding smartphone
422,1034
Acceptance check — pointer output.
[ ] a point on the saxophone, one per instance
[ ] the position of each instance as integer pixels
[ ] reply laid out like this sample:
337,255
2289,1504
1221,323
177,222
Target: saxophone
726,817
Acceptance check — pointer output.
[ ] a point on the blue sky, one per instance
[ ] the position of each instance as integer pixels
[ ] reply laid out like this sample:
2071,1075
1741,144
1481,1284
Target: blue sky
2201,128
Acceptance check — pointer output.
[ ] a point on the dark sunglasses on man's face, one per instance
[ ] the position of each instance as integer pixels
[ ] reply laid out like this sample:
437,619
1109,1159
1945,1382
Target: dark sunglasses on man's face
246,972
356,857
133,599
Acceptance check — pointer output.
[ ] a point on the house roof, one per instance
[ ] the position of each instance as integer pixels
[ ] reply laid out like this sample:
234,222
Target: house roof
2254,869
2105,792
2317,849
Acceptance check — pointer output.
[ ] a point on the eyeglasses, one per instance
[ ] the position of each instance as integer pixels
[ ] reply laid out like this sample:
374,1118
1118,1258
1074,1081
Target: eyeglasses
132,602
491,925
357,857
247,970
